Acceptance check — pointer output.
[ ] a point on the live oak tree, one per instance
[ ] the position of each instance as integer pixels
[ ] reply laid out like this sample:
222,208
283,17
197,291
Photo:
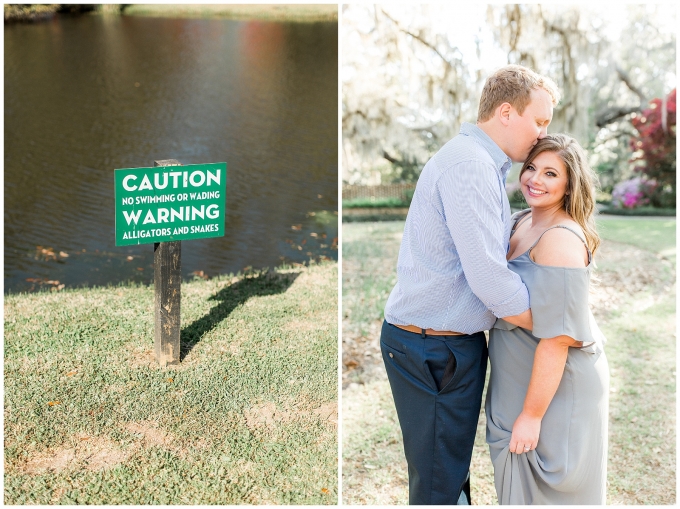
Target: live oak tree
407,87
405,91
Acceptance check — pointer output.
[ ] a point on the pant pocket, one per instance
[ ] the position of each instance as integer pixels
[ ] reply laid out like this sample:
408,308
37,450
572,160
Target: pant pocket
449,371
390,351
401,366
440,363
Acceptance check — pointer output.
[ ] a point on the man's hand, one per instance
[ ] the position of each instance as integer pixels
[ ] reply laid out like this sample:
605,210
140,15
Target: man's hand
525,433
523,320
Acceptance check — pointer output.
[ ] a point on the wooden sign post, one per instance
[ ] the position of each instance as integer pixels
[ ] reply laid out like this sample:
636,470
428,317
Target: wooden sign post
163,205
167,283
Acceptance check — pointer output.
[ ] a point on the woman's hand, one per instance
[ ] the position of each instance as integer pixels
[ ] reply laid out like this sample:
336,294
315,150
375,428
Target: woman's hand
549,361
525,433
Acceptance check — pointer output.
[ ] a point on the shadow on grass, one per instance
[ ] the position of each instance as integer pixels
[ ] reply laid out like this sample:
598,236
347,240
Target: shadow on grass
258,285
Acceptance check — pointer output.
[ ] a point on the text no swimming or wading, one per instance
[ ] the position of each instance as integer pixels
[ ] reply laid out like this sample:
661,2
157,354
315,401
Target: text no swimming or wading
170,203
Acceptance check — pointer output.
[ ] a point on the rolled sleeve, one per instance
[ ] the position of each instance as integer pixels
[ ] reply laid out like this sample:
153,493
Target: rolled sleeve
473,209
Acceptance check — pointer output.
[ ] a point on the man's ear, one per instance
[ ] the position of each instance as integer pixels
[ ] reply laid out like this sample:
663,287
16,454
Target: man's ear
503,111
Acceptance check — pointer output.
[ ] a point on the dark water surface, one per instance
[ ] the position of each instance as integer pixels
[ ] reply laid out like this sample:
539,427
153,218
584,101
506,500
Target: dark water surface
86,95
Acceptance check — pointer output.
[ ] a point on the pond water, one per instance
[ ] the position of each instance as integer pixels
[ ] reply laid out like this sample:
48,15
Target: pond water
90,94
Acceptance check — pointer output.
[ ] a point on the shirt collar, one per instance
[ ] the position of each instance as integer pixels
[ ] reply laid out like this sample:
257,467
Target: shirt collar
502,161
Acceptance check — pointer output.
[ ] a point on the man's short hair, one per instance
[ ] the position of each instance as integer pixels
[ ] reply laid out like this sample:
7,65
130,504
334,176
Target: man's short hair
513,84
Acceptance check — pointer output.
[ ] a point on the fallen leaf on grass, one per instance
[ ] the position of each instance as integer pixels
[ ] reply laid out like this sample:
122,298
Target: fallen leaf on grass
325,491
52,403
170,380
71,373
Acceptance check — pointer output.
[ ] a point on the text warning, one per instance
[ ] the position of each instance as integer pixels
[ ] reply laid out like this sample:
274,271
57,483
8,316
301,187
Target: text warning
169,203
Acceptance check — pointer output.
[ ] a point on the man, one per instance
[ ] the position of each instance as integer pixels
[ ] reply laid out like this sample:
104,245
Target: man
453,282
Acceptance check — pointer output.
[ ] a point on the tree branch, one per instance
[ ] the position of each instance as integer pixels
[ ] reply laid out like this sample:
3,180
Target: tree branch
609,115
360,113
418,38
389,157
628,82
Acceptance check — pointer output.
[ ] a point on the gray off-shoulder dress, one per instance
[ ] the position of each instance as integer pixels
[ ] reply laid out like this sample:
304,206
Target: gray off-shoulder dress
569,465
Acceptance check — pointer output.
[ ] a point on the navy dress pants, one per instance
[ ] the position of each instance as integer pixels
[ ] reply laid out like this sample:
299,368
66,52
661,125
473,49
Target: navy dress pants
437,384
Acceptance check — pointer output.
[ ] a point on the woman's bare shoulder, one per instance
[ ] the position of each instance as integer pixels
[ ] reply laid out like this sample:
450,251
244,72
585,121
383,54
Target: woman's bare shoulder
560,247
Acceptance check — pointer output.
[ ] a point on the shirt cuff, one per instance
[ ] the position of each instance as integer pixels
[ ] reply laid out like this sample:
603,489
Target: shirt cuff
515,305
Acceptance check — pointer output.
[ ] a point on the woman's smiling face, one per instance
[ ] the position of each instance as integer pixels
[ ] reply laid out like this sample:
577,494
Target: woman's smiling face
544,181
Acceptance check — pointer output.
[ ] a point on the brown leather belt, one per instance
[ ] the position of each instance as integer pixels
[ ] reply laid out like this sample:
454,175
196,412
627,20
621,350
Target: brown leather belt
429,332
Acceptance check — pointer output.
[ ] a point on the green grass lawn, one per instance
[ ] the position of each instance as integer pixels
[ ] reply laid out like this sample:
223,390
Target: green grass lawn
657,235
370,252
634,304
248,417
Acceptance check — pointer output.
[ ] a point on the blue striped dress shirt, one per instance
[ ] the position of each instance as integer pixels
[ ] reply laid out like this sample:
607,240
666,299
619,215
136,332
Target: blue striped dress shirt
452,274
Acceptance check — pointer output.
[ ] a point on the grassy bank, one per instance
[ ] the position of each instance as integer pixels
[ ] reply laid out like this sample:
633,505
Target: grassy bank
248,417
634,304
302,13
273,12
37,12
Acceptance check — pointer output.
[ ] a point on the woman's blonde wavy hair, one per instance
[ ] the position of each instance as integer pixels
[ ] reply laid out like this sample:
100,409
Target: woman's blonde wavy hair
582,182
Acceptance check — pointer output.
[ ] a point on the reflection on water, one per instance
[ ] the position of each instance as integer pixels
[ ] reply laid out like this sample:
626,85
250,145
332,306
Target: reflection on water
86,95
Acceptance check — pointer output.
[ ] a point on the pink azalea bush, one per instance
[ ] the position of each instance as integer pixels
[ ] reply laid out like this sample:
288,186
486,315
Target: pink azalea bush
633,193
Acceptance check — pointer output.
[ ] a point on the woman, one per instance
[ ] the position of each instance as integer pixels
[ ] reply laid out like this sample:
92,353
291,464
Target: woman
547,402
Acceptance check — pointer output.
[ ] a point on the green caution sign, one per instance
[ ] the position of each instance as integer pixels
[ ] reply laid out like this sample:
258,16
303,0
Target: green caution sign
168,203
